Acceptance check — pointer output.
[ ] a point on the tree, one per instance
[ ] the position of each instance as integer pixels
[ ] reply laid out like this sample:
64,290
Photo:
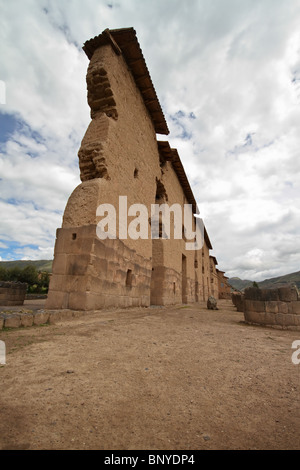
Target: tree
29,275
255,285
3,274
14,274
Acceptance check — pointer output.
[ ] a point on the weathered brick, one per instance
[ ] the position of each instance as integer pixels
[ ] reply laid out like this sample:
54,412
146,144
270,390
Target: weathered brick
254,305
12,321
287,294
284,319
39,318
294,307
255,317
26,319
283,307
269,294
253,293
57,299
271,306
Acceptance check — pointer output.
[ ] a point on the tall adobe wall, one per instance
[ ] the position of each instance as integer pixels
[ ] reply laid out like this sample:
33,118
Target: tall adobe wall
120,156
118,152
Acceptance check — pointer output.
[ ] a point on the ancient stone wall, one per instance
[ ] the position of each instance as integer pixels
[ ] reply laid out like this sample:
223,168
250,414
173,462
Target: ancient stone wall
175,270
272,307
12,293
120,157
238,301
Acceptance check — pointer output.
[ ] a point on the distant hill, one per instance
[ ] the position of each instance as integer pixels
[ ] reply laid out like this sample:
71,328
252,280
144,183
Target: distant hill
239,284
280,281
40,265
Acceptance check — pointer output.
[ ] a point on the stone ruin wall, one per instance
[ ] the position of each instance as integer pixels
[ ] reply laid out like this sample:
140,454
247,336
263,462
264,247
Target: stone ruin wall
278,307
119,156
12,293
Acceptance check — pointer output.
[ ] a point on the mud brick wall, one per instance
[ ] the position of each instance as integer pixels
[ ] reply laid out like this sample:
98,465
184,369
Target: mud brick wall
12,293
272,307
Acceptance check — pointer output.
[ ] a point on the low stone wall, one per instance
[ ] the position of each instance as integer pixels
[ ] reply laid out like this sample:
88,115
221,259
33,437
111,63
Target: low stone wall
12,293
25,317
272,307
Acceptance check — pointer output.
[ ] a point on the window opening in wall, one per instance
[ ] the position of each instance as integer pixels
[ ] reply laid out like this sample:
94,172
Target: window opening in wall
136,173
129,276
174,287
196,263
74,236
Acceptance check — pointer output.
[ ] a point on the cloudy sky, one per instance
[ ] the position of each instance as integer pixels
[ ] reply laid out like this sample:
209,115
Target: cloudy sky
227,74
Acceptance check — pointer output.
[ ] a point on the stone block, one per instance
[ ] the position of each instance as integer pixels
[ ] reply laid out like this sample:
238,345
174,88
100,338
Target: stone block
294,307
39,318
283,307
59,264
100,266
297,320
255,317
285,319
66,314
271,306
269,294
54,317
254,305
111,301
26,319
78,301
119,277
57,299
59,242
270,318
12,321
58,282
287,294
252,293
212,303
87,245
145,300
77,264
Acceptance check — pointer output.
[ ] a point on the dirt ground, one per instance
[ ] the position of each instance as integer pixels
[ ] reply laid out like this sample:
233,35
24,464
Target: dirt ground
170,378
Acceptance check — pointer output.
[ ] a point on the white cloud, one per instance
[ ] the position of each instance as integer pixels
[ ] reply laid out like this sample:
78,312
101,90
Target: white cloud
227,74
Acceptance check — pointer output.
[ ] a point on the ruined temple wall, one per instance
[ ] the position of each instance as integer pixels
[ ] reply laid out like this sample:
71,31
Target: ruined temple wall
279,308
176,277
118,157
129,149
205,274
12,293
